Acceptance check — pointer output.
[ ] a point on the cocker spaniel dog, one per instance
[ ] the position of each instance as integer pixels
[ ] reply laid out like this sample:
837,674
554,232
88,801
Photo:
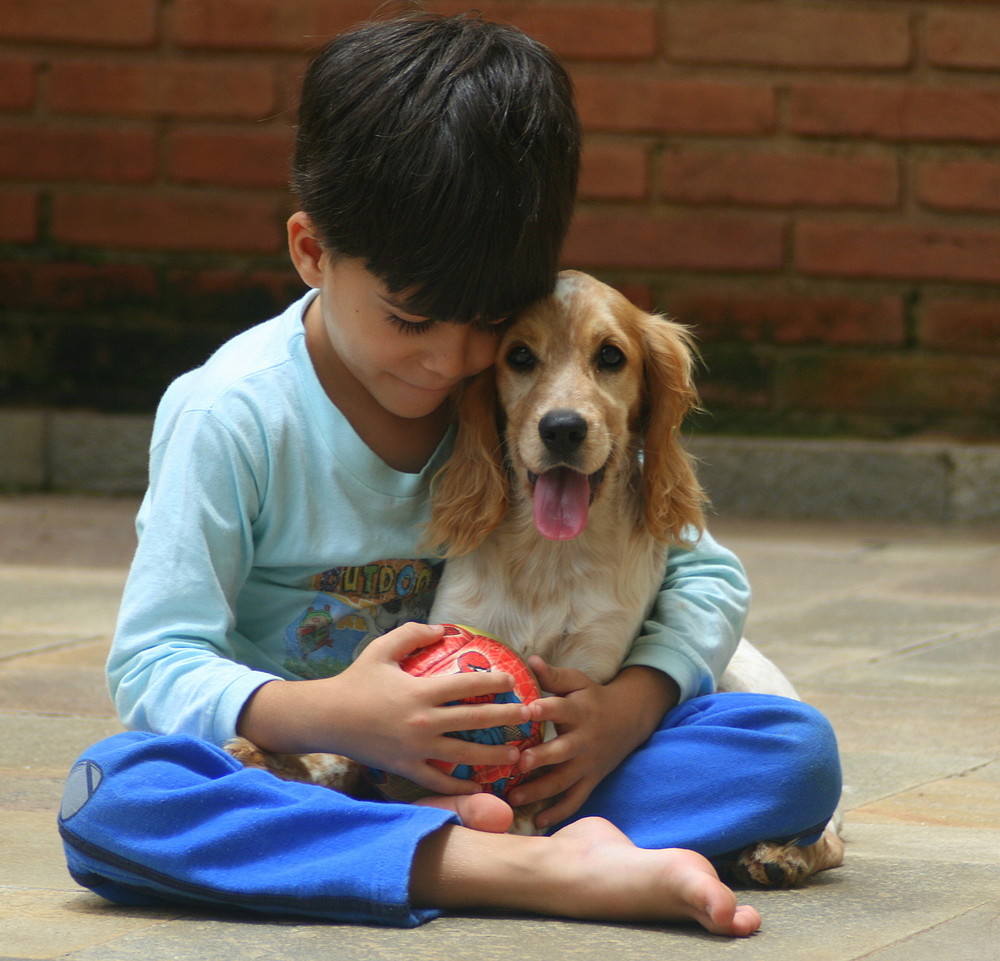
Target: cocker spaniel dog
566,488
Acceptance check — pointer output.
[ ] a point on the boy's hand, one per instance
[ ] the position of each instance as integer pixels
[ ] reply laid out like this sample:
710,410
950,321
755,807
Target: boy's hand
597,726
377,714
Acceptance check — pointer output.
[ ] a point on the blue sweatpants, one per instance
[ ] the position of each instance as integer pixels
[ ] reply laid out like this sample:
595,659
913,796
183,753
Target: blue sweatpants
149,819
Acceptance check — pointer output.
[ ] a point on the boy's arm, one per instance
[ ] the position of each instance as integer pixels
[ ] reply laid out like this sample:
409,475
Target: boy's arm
171,668
697,619
176,661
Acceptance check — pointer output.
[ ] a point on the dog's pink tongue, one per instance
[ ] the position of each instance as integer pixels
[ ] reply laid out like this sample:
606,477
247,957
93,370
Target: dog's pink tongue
562,499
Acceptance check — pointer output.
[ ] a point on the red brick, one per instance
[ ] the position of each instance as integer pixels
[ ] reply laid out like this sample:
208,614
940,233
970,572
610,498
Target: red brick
101,154
609,239
639,294
100,22
971,185
576,31
175,220
169,89
611,171
207,291
899,251
68,286
18,216
779,180
607,31
911,384
18,86
229,158
788,319
769,34
263,24
620,103
964,39
964,327
896,113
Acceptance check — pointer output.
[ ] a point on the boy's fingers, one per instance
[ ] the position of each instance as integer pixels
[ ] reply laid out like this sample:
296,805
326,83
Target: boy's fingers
550,753
454,750
460,687
406,638
474,717
558,680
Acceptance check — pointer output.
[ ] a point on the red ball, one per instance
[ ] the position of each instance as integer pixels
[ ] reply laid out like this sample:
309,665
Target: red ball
462,650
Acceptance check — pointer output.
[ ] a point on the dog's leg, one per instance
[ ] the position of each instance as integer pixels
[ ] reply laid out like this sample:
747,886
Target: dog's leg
328,770
774,865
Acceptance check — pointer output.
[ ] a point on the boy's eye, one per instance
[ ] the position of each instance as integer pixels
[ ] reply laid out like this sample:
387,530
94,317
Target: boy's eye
521,358
410,326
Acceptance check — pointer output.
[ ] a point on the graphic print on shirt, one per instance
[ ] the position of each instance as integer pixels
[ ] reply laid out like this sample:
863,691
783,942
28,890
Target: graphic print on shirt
352,606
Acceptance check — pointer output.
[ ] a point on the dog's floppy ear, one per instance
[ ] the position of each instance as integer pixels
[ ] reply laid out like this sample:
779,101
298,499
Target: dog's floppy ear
673,499
470,491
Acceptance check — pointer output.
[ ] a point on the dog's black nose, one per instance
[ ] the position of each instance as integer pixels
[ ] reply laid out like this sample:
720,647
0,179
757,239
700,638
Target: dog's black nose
562,431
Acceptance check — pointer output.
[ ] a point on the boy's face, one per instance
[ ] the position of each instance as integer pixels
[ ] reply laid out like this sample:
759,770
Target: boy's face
407,365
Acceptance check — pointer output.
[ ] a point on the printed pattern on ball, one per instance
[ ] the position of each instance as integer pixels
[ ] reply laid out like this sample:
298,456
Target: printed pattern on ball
461,651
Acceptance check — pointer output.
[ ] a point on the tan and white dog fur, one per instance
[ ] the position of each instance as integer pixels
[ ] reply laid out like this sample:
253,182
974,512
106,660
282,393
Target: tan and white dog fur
584,382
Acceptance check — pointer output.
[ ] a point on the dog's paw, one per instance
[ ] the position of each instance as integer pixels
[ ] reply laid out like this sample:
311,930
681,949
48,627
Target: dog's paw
773,865
328,770
246,752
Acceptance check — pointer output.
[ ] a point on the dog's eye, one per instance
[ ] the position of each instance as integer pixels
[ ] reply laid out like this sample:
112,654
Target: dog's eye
521,358
610,357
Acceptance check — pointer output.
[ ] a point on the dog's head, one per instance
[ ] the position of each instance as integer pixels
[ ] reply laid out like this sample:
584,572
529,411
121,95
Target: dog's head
583,381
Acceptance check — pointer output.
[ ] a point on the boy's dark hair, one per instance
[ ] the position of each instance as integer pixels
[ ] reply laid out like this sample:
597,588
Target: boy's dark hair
444,152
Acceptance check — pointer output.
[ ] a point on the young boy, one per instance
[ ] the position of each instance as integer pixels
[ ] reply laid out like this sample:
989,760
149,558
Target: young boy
278,579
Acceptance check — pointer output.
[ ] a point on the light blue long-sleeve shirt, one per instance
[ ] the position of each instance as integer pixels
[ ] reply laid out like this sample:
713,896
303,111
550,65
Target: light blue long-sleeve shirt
274,543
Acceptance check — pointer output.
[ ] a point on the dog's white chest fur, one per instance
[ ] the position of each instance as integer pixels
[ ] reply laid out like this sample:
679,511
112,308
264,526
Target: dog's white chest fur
575,604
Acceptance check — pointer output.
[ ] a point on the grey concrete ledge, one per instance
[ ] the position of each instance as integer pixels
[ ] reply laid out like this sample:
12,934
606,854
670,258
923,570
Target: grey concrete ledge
927,481
71,451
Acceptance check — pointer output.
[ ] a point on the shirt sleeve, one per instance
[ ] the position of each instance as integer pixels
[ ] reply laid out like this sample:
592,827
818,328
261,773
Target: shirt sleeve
171,667
697,618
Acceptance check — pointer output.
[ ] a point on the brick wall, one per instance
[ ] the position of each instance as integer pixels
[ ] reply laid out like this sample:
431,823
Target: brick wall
813,184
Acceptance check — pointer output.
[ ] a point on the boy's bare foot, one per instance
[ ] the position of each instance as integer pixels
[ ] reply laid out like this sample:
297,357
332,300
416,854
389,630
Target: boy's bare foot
637,884
481,812
586,870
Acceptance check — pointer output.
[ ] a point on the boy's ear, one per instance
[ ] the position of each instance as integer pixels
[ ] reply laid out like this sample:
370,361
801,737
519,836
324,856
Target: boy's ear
305,249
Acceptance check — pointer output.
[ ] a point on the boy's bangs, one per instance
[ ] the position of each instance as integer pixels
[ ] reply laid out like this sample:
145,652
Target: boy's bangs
467,268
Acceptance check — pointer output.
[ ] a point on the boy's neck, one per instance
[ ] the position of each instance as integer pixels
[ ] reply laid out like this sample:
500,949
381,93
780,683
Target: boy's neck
405,444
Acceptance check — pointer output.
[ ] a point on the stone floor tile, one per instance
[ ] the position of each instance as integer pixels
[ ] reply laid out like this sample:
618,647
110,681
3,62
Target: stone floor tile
965,664
32,851
845,915
48,743
871,776
67,531
919,842
909,724
68,603
874,622
975,934
45,924
76,690
955,801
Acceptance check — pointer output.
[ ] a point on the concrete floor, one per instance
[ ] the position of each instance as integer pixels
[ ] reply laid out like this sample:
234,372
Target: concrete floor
893,632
